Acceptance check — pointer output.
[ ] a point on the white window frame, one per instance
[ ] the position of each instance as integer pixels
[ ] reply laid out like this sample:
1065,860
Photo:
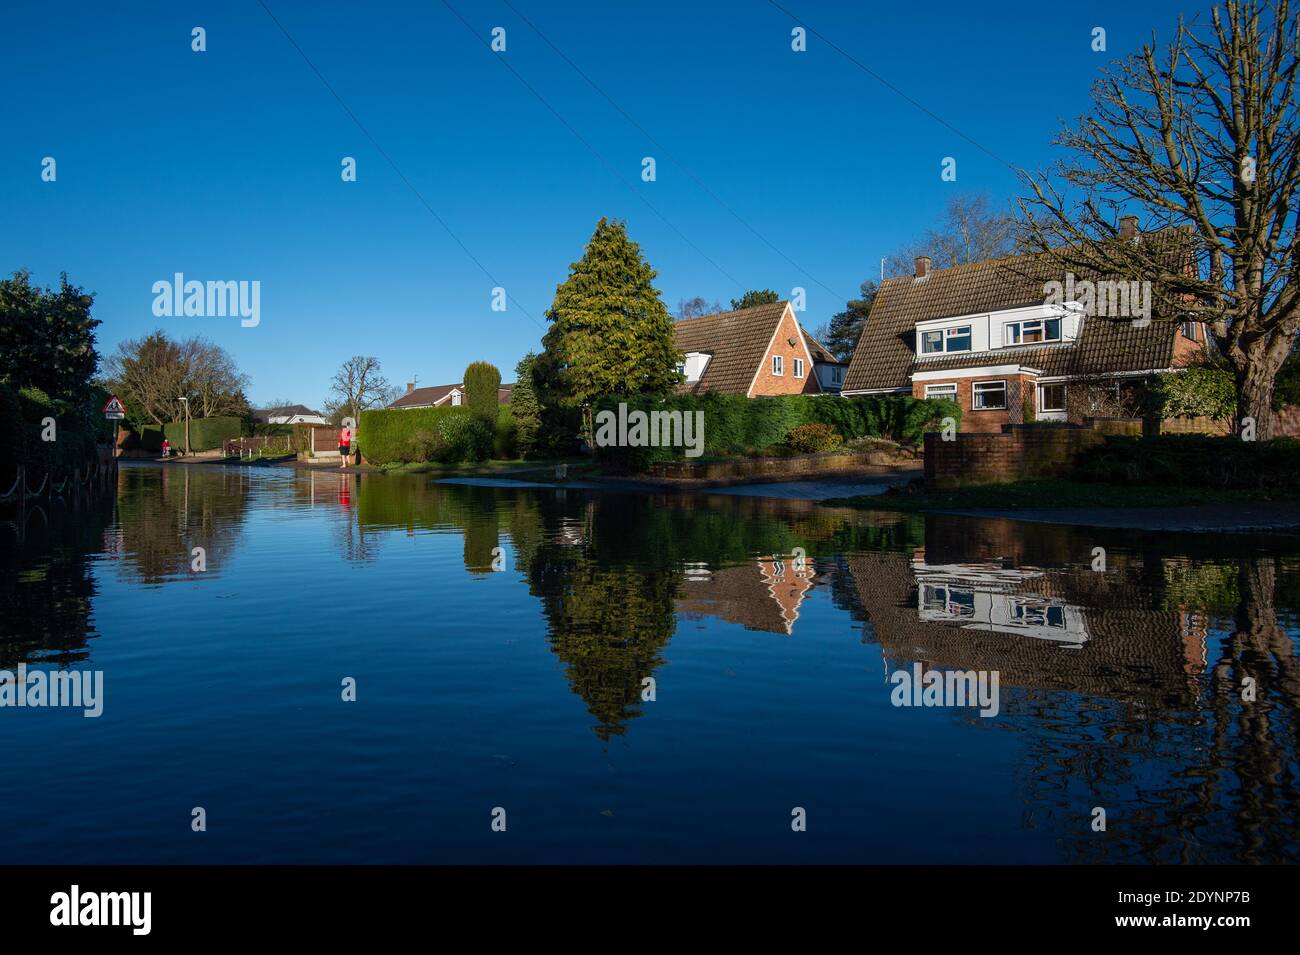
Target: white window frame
778,366
946,390
947,333
1065,398
798,367
1019,325
974,391
455,398
1192,327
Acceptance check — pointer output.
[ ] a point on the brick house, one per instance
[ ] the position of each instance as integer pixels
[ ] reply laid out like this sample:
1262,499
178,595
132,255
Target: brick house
437,396
988,335
754,351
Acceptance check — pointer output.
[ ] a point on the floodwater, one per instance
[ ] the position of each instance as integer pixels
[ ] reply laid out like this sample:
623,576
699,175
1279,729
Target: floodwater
575,676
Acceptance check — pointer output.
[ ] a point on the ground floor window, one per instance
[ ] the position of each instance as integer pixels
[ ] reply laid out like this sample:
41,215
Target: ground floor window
1051,397
989,396
941,391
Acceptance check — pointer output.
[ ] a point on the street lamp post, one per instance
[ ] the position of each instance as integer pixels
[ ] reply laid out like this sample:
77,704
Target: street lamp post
186,402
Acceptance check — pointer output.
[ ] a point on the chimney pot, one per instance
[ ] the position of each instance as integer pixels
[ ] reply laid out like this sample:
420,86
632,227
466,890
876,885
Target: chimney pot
1128,227
922,266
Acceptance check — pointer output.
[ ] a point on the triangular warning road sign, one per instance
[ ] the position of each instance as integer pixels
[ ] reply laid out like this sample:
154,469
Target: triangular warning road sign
114,408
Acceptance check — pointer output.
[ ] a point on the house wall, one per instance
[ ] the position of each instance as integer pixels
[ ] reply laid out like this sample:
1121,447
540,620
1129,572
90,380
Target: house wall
767,383
1017,387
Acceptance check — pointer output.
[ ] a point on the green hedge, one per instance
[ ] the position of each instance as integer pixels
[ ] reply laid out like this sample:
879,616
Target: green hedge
447,434
22,434
1194,461
206,434
734,424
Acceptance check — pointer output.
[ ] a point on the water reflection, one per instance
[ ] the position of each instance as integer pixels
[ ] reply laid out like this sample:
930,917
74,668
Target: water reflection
1163,688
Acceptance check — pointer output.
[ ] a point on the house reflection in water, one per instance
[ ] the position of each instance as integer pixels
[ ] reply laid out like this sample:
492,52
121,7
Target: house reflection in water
992,598
1031,607
764,594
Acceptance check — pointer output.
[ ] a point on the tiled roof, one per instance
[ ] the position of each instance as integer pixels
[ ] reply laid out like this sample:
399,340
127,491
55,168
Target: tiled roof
422,397
737,342
886,353
283,411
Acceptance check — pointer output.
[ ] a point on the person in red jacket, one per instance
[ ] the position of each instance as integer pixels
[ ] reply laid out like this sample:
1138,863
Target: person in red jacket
166,448
345,445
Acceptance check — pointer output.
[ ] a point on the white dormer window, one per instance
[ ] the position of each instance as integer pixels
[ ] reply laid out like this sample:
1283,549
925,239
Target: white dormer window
694,364
1032,331
778,365
937,341
455,397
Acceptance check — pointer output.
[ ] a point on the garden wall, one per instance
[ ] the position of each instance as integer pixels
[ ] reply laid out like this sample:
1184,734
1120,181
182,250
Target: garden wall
1020,452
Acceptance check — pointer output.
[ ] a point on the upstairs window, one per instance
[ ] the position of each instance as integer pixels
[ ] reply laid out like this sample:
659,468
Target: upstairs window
1189,330
798,367
941,340
1032,332
778,365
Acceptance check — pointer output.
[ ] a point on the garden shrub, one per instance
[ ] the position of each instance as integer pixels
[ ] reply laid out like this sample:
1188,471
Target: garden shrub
1193,461
389,436
1193,392
735,425
813,438
482,385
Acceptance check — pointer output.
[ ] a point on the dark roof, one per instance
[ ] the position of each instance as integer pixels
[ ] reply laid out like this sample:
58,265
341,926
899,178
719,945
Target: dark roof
885,356
419,397
737,342
261,414
424,397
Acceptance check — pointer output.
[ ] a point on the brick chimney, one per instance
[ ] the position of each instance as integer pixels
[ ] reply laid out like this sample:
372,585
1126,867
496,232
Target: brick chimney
922,266
1128,227
410,387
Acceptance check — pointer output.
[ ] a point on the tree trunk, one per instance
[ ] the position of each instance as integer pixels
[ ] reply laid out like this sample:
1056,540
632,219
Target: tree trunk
1255,379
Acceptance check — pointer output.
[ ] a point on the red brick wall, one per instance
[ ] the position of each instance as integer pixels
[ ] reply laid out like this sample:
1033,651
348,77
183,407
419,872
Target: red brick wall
1018,453
786,384
1017,387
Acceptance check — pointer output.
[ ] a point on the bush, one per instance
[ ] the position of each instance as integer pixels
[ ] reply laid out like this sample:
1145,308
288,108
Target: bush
813,438
1193,461
734,424
206,434
404,435
1194,392
467,438
482,383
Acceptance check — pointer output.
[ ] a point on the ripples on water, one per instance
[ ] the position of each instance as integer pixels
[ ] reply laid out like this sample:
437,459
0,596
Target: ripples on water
501,639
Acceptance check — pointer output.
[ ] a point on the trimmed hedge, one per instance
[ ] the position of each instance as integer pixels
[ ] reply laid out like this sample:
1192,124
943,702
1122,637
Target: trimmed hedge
1188,460
449,434
206,434
734,424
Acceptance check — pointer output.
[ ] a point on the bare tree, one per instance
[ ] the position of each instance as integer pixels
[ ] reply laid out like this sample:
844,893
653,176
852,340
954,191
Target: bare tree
358,385
1202,135
151,373
695,307
971,230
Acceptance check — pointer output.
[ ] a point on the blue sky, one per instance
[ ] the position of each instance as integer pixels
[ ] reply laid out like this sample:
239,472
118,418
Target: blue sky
225,165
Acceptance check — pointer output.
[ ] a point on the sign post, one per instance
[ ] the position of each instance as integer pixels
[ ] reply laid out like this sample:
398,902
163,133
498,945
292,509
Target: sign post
114,411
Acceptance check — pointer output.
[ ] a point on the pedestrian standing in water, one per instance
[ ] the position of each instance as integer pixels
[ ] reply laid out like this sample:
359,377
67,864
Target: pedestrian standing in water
345,445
